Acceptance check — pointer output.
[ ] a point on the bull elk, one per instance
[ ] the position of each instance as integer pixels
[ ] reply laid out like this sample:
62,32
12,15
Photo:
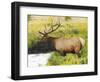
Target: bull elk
60,44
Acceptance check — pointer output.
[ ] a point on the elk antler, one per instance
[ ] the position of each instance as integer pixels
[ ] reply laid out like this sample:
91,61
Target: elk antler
52,29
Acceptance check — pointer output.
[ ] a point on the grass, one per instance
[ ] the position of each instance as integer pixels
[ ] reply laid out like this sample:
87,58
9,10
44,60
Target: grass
69,28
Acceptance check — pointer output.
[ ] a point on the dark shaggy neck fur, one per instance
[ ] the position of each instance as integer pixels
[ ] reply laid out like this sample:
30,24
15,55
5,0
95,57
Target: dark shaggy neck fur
43,46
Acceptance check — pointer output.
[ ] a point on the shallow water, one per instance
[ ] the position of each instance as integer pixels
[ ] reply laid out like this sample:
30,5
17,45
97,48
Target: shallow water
36,60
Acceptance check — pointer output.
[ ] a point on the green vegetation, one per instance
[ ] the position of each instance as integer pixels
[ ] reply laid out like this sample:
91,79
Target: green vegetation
70,27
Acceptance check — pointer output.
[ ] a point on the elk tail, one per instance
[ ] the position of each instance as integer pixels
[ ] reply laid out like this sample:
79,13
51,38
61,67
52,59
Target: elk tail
82,41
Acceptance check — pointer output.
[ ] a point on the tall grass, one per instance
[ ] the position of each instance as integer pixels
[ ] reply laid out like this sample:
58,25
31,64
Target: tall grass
70,28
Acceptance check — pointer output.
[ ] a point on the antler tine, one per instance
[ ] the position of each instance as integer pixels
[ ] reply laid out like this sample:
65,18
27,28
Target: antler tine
52,29
45,29
41,33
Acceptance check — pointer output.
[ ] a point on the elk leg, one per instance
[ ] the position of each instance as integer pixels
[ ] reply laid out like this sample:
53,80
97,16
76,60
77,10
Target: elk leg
79,54
63,53
77,51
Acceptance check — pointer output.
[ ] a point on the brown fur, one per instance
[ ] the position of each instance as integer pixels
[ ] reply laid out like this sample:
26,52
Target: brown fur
68,45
